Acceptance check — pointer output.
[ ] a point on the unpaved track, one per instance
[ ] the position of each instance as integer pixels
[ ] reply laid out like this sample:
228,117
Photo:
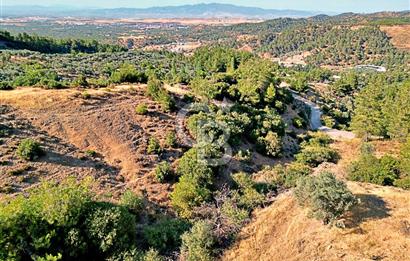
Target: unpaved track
316,123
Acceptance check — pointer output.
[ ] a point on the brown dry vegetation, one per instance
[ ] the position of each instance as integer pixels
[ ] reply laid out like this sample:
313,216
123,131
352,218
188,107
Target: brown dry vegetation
106,123
377,229
400,35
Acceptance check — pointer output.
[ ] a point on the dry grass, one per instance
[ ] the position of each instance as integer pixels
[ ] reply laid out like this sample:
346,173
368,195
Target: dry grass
400,35
377,229
105,122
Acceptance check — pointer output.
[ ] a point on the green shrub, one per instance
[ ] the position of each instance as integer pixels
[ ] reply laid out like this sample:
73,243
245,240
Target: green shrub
405,158
244,155
91,153
171,139
248,196
128,73
151,255
190,192
132,202
163,171
316,150
270,145
165,235
86,95
5,86
80,81
370,169
29,149
289,175
153,146
403,183
198,243
315,155
328,121
326,197
43,221
299,123
159,94
141,109
110,228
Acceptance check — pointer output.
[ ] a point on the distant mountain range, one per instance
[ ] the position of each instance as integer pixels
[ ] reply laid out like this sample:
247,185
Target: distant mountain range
185,11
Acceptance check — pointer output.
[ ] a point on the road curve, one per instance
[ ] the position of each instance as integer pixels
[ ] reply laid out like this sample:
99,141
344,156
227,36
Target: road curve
316,123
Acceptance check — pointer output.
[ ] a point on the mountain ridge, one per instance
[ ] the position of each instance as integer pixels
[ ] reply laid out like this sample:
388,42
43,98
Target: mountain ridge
212,10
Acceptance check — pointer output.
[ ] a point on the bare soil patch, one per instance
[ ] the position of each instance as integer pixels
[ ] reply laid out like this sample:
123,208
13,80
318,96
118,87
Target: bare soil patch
106,123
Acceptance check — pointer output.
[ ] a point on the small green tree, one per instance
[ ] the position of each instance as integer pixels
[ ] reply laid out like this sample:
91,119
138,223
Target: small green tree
153,146
197,244
29,149
163,171
171,139
141,109
326,197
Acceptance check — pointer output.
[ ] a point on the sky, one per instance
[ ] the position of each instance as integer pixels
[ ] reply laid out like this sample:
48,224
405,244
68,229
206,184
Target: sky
358,6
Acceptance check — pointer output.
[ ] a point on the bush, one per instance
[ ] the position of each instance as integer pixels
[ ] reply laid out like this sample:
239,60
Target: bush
128,73
190,192
29,149
141,109
165,235
247,197
370,169
163,171
159,94
5,86
315,155
289,175
110,228
403,183
316,151
80,81
44,222
171,139
91,153
405,158
270,145
152,255
328,121
326,197
197,244
132,202
153,146
299,123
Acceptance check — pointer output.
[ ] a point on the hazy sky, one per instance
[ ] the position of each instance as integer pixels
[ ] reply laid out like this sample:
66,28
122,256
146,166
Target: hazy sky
317,5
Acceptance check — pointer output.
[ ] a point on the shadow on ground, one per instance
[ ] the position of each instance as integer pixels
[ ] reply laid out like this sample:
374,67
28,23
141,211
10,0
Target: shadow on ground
370,207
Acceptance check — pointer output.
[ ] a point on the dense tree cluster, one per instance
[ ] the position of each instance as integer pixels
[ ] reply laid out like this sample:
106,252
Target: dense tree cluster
383,110
49,45
387,170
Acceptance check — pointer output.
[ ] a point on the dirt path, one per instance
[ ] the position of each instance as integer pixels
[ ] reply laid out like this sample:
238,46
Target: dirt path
316,123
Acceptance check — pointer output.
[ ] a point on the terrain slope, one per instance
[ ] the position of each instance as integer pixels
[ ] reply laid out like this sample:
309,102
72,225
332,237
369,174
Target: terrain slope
103,121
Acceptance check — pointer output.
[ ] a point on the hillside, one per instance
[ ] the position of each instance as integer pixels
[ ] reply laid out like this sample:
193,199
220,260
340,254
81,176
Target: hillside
105,123
378,228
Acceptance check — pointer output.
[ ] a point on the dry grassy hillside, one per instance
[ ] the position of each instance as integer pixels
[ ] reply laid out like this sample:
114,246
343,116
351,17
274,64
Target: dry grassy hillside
400,35
377,229
104,121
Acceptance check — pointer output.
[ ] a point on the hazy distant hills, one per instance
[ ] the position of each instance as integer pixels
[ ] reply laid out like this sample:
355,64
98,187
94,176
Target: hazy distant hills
185,11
